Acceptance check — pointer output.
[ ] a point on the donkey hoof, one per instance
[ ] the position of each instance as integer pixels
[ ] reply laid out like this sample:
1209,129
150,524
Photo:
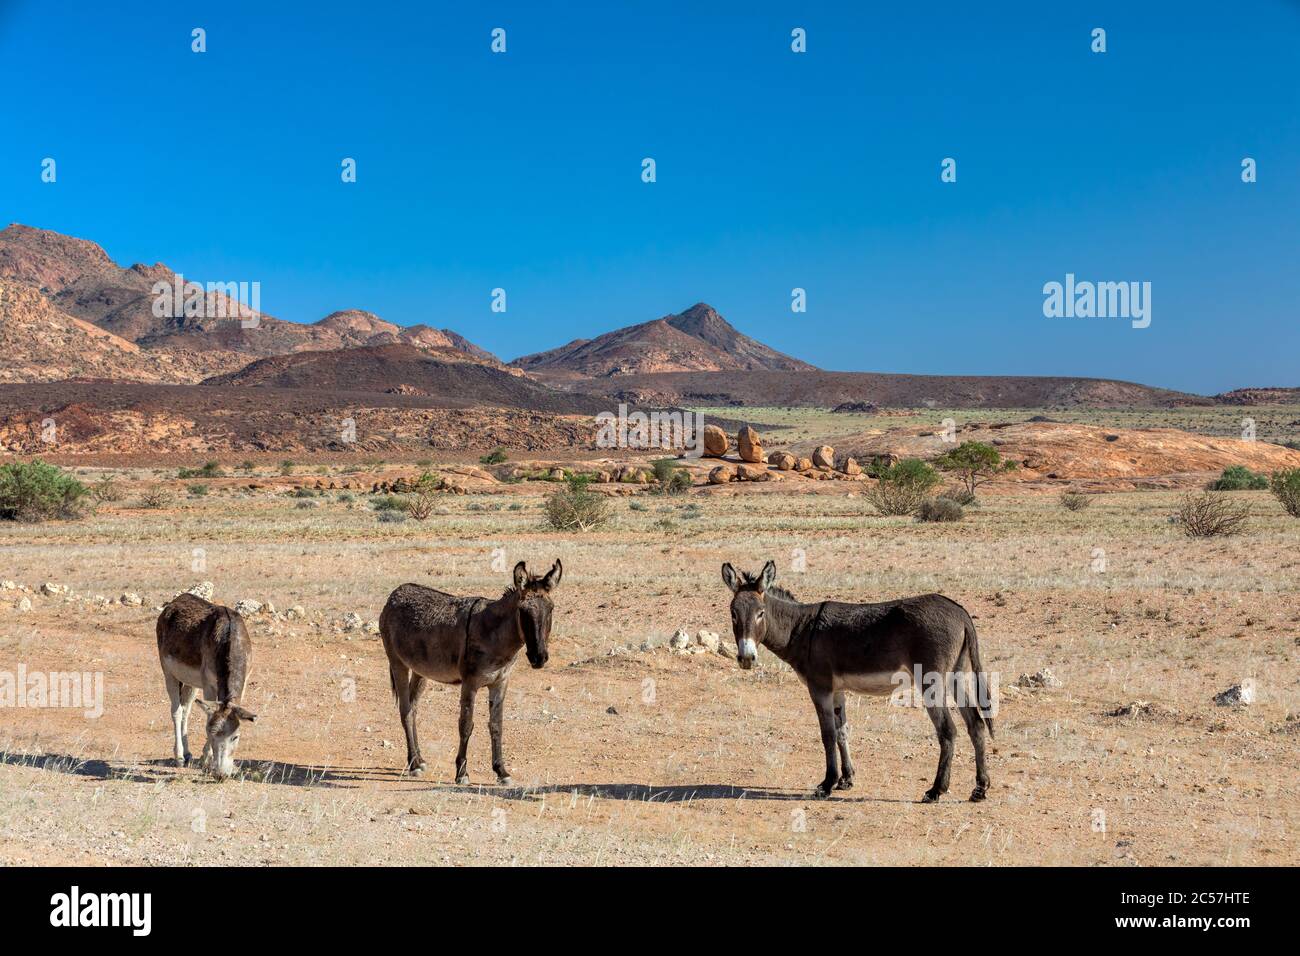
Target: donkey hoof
823,790
931,796
978,794
845,783
463,779
180,762
504,780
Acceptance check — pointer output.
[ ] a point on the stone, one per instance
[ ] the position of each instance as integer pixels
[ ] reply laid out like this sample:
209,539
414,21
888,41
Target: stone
851,467
803,464
352,621
824,457
25,604
721,475
782,460
372,627
749,445
716,442
131,599
248,607
708,640
680,640
51,590
296,612
1238,695
1044,678
751,472
203,590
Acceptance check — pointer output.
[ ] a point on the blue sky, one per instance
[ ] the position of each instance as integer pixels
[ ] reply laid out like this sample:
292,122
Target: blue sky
775,170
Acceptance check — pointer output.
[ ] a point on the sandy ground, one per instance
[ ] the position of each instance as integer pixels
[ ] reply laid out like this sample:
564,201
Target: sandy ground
626,752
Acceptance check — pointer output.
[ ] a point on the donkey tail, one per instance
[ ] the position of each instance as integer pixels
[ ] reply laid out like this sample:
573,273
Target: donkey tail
984,702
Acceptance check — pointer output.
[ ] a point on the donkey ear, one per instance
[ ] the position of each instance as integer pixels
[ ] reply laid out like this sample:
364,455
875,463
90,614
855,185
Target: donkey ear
729,577
767,576
552,579
521,576
244,714
207,708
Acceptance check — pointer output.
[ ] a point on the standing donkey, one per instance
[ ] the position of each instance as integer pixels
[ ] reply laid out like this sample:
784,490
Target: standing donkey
835,647
470,641
205,647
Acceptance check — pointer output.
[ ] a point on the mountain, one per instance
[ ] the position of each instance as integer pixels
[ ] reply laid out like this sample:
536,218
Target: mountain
401,369
79,278
41,343
1267,395
697,340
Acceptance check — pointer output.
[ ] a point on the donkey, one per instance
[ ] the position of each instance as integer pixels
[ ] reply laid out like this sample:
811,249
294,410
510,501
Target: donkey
470,641
205,647
836,647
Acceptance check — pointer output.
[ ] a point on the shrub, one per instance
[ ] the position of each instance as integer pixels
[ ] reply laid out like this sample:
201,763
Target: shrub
963,497
155,497
388,503
974,463
421,502
1208,514
347,497
197,490
391,517
1074,500
575,507
1285,486
1239,478
939,509
286,467
210,469
902,487
35,491
493,457
672,478
246,465
302,493
106,489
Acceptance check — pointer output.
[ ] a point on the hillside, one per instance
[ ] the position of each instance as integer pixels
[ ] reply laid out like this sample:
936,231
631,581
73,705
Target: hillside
407,370
698,339
829,389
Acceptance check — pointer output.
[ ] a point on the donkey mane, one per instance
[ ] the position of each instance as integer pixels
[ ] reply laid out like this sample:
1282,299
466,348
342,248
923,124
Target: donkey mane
776,590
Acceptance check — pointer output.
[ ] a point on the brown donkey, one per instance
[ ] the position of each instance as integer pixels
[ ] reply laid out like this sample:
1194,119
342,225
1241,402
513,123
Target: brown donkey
205,647
836,647
470,641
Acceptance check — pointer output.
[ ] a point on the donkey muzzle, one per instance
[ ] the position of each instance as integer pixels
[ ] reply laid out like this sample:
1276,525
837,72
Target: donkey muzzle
538,661
746,652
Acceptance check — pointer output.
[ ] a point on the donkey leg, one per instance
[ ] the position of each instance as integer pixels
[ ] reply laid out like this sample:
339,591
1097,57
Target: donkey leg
496,712
947,732
178,719
842,738
975,727
823,701
187,703
467,692
406,688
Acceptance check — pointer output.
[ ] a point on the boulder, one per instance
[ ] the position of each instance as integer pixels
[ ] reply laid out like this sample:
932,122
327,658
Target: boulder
782,460
202,590
352,621
749,445
824,457
708,640
716,442
248,607
680,640
1238,695
751,472
851,467
131,599
721,475
803,464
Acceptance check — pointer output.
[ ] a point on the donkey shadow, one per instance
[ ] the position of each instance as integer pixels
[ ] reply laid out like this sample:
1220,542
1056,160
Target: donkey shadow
646,793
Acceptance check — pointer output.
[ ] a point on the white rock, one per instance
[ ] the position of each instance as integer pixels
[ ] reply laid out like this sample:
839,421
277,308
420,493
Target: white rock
296,612
372,627
268,607
131,599
352,621
680,640
1238,695
202,590
25,604
708,640
51,590
248,607
1044,678
8,586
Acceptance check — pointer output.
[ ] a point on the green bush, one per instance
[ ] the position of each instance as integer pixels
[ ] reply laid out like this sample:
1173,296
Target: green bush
388,503
210,469
303,493
902,487
672,478
35,491
1285,486
198,490
939,509
493,458
1239,478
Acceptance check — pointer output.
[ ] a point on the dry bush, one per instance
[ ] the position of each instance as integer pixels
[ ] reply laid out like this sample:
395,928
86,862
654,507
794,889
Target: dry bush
155,497
1210,514
106,490
939,509
1285,486
1074,500
575,507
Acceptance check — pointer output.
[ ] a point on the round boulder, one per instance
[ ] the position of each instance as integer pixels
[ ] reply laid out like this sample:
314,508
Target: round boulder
716,442
782,460
824,457
749,445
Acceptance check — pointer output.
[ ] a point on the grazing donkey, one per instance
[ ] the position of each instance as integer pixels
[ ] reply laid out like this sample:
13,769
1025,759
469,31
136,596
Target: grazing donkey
470,641
205,647
835,647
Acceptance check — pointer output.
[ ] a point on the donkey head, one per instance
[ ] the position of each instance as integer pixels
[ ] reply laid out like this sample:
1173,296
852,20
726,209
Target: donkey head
534,597
223,735
748,614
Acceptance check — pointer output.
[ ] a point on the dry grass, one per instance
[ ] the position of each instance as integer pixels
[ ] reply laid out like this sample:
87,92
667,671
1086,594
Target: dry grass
701,762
